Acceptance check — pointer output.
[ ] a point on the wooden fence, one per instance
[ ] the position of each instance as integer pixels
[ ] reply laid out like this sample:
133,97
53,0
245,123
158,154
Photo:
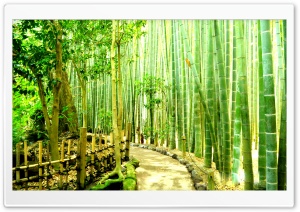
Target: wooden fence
95,157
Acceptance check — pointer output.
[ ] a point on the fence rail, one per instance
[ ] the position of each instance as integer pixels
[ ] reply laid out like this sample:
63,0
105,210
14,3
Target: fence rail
96,158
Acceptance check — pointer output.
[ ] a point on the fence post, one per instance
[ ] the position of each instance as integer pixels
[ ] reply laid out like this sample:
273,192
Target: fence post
156,139
82,159
18,165
111,136
93,155
69,157
26,163
128,140
47,168
101,154
62,147
40,164
105,140
104,152
183,146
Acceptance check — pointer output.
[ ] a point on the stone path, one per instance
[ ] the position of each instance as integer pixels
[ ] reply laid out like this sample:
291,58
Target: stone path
160,172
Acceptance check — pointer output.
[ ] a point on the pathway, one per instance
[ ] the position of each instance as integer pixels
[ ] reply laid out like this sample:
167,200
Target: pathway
160,172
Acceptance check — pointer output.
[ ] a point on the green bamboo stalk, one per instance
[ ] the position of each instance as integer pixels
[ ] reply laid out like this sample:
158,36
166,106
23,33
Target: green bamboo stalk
242,86
235,116
282,146
224,108
262,121
197,148
228,58
173,99
270,110
178,88
185,94
237,140
233,84
255,85
215,106
282,140
209,84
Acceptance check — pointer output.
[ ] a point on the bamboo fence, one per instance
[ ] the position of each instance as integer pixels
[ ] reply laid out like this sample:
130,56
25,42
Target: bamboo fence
97,158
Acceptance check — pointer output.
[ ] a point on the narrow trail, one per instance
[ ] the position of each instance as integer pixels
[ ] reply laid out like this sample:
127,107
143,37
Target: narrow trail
160,172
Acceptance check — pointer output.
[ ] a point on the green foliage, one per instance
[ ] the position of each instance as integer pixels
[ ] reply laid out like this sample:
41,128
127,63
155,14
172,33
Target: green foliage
130,28
164,131
147,131
150,86
33,44
25,103
105,119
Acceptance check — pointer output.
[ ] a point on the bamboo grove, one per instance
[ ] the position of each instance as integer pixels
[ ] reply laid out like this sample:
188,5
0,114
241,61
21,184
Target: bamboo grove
215,88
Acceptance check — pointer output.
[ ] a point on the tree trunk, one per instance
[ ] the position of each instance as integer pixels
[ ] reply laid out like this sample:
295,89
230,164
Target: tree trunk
119,81
115,111
56,88
70,121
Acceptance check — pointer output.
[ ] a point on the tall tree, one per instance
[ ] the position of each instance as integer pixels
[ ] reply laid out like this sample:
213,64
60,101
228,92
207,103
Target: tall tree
116,111
36,40
69,121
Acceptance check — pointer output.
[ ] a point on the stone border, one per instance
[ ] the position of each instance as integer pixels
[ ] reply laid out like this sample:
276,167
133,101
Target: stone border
197,179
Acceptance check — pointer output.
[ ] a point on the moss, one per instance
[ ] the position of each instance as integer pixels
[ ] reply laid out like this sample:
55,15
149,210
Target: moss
130,179
110,184
129,182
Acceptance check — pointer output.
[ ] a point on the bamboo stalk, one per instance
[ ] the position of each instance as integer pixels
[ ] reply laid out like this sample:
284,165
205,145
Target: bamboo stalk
100,143
40,162
105,161
67,161
61,164
78,159
100,149
83,140
26,179
111,136
128,140
183,146
18,164
48,159
104,150
93,154
25,163
122,145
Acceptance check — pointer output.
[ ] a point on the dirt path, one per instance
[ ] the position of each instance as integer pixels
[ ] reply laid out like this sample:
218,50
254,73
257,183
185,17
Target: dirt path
160,172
